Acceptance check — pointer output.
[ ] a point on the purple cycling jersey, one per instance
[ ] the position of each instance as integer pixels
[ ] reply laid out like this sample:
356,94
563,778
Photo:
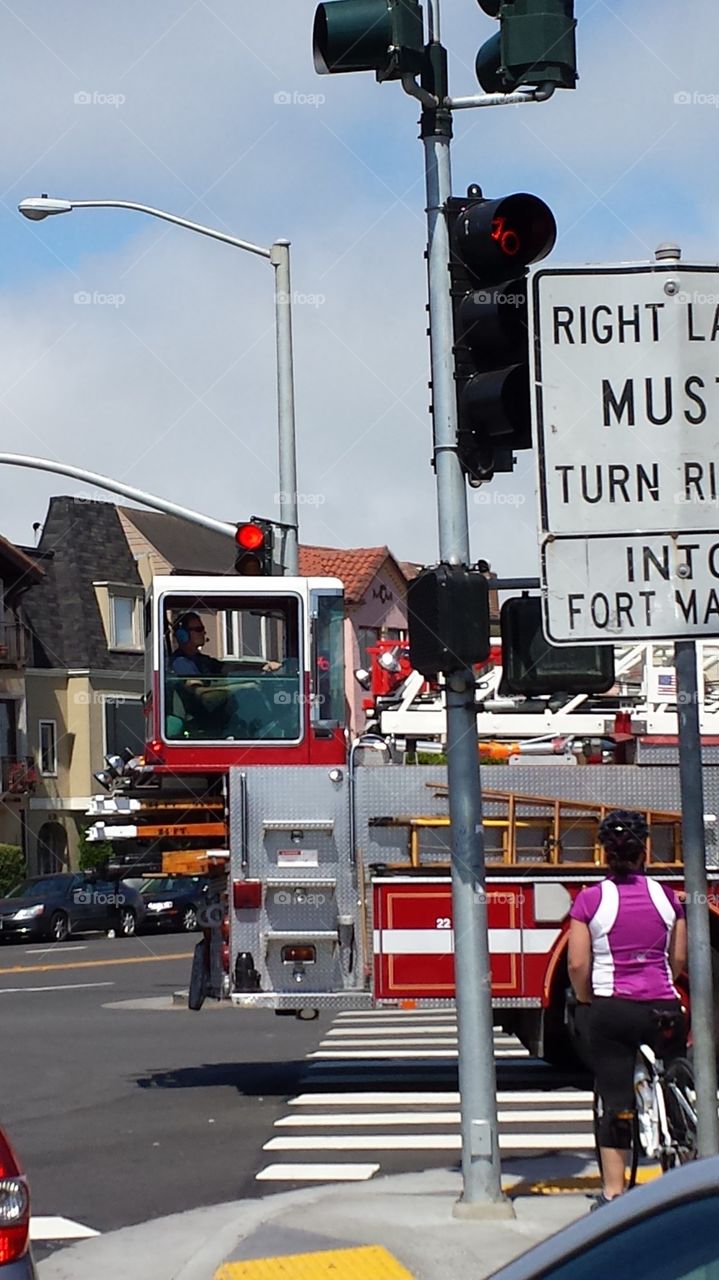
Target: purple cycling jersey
630,922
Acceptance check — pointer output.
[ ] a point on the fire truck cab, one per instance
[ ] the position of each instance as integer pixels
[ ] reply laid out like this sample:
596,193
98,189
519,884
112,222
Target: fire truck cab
244,674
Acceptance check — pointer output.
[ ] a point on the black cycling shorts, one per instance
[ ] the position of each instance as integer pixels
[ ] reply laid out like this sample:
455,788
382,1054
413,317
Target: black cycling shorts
616,1029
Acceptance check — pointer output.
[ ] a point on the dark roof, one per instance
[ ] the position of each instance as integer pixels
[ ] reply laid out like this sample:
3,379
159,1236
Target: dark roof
82,542
187,547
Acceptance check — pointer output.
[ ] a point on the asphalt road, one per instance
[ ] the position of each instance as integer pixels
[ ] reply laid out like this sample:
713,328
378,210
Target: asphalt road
124,1107
121,1113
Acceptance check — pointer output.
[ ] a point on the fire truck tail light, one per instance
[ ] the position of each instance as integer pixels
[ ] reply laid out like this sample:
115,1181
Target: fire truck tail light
297,955
225,953
225,930
551,903
246,894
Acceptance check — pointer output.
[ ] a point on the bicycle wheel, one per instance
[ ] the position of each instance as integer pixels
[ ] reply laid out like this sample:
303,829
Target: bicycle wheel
680,1100
634,1150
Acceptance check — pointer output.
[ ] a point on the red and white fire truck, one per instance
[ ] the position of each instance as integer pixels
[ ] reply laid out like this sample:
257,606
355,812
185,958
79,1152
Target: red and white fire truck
335,856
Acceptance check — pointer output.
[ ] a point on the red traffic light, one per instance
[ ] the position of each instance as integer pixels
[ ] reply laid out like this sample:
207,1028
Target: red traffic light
250,537
489,235
254,548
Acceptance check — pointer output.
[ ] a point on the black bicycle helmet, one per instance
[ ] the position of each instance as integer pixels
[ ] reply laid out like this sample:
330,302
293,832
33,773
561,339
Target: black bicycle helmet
624,829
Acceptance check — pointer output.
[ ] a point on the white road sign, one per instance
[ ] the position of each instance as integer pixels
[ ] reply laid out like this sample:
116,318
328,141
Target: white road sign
653,586
627,435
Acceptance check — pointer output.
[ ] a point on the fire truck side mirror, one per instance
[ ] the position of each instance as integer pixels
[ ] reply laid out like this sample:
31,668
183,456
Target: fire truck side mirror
448,609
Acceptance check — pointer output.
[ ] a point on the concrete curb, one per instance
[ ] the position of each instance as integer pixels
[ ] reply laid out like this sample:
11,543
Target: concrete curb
408,1214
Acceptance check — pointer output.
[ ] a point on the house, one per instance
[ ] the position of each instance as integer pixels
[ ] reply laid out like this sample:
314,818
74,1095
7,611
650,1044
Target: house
19,571
375,607
85,681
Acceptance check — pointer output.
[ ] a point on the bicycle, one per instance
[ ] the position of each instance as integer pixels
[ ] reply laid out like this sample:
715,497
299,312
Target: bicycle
664,1123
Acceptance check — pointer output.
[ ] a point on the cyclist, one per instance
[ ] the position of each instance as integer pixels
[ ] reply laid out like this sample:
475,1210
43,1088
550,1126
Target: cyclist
627,945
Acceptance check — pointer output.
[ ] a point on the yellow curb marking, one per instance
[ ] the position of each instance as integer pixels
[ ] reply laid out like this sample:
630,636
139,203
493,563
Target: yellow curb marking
94,964
581,1182
369,1263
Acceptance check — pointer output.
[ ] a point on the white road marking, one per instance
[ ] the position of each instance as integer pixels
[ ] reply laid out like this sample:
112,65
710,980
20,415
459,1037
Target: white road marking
385,1042
448,1098
59,1229
55,949
69,986
369,1119
385,1052
317,1172
428,1142
412,1029
389,1053
365,1015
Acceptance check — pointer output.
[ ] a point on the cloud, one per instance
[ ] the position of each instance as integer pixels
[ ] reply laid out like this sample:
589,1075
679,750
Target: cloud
173,388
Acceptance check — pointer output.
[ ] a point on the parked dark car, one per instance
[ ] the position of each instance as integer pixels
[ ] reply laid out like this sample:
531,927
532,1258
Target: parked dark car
175,901
16,1262
56,906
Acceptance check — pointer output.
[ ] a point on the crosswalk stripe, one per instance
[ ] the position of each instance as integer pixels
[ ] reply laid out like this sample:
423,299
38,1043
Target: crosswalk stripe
392,1029
389,1053
438,1098
385,1051
317,1172
386,1043
371,1119
425,1142
372,1015
337,1117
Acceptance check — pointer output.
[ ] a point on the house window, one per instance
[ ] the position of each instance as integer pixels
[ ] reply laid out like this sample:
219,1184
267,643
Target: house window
124,624
124,725
48,748
250,635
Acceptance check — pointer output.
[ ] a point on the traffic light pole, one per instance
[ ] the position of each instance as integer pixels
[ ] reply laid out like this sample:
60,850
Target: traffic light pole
695,885
481,1170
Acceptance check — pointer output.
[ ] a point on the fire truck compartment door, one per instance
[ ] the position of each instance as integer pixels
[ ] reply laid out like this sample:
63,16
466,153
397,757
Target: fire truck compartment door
413,939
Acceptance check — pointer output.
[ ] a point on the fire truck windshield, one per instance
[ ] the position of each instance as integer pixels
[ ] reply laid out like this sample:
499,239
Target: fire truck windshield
231,668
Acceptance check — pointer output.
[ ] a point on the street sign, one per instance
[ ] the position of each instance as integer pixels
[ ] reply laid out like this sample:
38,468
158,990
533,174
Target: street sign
627,444
640,587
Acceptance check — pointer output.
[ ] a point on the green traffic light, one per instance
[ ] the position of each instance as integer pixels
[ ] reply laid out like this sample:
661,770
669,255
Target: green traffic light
535,45
384,36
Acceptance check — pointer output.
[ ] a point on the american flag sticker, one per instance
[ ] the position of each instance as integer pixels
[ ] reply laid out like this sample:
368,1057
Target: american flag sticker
666,684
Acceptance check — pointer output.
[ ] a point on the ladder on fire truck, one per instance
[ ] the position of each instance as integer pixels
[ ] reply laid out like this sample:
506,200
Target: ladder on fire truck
532,829
644,694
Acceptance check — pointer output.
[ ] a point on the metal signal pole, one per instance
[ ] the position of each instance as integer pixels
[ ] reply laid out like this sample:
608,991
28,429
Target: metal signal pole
481,1168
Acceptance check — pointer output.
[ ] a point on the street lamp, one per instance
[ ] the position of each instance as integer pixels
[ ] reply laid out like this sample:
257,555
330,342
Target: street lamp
38,207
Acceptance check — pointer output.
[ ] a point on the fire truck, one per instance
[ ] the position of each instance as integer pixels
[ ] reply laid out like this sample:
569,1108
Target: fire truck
333,856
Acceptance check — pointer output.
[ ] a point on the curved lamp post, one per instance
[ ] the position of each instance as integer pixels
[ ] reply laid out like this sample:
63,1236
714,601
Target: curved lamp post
38,207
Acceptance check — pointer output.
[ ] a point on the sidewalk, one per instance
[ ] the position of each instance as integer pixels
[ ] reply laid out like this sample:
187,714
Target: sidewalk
409,1215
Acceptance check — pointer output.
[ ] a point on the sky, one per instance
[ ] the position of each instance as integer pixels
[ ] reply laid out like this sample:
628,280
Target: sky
146,353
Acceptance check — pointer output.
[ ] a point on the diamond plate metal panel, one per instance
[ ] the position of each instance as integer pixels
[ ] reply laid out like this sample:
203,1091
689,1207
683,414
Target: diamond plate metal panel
410,789
290,829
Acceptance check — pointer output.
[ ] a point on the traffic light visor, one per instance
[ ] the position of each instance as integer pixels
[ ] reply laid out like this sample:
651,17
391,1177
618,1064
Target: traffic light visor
497,237
351,35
